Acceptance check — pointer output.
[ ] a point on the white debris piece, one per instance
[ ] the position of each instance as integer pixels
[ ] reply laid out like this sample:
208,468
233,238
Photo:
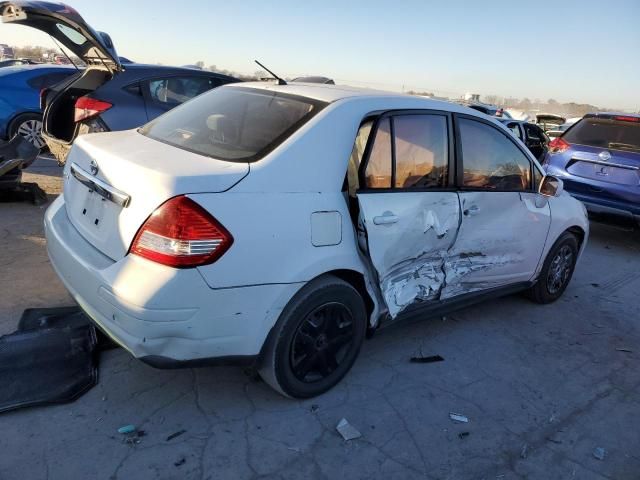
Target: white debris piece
599,453
458,417
348,431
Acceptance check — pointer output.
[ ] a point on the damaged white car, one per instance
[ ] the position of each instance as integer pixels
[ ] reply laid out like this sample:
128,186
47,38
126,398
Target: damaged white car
275,224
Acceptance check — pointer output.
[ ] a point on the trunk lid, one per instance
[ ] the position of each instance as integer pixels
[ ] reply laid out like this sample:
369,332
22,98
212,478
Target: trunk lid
612,166
66,25
114,181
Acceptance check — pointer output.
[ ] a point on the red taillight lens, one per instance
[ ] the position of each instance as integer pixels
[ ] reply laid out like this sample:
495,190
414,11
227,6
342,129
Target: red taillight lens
89,107
558,145
181,234
623,118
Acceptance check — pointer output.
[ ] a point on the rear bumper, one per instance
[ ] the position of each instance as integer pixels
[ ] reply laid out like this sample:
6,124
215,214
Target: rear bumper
168,317
602,199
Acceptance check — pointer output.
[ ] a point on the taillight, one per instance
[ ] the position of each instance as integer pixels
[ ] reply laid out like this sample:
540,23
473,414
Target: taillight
43,97
558,145
89,107
181,234
624,118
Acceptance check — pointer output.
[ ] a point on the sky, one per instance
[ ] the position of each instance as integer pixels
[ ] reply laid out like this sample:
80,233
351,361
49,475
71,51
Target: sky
572,51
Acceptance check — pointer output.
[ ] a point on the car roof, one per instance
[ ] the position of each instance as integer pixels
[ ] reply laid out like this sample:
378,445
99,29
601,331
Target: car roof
618,114
333,93
168,68
43,67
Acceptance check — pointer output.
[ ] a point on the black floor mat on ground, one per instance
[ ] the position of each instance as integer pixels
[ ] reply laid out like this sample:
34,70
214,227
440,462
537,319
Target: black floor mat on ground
49,365
38,318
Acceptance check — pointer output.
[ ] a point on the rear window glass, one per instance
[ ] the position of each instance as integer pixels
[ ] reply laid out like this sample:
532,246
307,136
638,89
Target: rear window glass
605,133
71,34
235,124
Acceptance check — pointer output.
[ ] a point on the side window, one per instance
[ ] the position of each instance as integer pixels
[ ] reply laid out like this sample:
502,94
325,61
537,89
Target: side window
173,91
533,133
356,156
47,80
490,161
421,146
515,129
378,172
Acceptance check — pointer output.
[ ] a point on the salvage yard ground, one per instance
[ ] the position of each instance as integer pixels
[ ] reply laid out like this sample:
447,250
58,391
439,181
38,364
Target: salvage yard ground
543,387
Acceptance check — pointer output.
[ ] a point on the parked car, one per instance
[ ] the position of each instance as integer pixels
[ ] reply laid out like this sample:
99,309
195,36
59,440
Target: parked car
17,62
598,158
560,129
315,79
531,135
20,89
549,121
6,52
487,109
247,225
106,95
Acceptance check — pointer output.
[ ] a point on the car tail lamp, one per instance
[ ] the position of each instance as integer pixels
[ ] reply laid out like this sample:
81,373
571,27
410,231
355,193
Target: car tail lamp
624,118
181,234
87,107
558,145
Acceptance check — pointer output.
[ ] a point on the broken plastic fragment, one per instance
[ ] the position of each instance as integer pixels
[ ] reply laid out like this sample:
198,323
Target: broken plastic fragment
348,431
429,359
599,453
458,417
127,429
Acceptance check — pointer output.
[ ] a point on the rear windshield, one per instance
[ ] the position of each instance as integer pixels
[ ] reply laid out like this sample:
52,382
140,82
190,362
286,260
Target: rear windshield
605,133
235,124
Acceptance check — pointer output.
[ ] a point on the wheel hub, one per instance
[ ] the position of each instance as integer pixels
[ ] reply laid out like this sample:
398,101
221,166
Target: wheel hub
321,342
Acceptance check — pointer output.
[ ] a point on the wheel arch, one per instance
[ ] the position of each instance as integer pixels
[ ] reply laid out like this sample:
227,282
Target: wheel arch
11,124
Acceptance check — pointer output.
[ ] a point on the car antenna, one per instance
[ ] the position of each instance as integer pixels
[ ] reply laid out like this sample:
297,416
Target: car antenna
63,52
280,80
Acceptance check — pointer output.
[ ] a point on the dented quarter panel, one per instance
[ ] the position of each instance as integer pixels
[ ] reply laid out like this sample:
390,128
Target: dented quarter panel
501,240
409,255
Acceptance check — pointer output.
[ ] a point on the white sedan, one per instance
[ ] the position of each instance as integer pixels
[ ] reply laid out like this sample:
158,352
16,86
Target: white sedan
276,224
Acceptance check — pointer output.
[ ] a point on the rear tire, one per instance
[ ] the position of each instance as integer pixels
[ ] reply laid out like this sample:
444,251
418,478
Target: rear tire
557,270
29,126
316,339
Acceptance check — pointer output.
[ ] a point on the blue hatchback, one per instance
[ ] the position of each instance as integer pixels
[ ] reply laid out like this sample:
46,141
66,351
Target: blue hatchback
598,159
20,89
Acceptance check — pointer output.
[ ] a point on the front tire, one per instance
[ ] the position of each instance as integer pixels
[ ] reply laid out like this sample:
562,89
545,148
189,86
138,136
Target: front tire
316,339
557,270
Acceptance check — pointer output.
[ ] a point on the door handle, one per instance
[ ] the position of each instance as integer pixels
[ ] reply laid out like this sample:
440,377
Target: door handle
472,210
386,219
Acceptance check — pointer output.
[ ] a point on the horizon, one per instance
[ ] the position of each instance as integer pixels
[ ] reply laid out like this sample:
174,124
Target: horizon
494,49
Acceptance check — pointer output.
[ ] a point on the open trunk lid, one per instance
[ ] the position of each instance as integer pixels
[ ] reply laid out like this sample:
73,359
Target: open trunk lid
66,25
114,181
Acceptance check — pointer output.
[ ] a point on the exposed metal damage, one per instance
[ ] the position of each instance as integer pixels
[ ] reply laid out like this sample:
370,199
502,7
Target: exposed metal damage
447,264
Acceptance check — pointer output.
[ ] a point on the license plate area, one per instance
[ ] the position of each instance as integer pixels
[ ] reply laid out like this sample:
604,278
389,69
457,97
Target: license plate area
604,173
93,209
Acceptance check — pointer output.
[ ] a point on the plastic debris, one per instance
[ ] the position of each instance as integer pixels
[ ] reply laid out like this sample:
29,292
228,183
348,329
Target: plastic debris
463,434
127,429
180,462
458,417
175,434
429,359
525,451
314,408
599,453
627,350
595,285
348,431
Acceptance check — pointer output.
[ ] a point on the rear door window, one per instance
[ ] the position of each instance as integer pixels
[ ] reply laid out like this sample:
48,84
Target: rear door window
173,91
619,133
233,123
490,160
416,145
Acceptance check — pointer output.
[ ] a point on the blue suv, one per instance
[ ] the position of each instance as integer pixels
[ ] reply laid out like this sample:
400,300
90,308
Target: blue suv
598,159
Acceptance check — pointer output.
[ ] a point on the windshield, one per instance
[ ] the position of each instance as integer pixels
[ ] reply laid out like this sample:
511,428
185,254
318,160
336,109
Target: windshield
606,133
235,124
